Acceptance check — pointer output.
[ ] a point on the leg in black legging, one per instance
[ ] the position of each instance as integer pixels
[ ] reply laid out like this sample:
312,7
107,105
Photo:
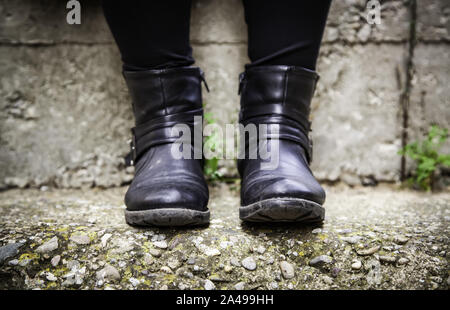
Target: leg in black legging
153,38
276,90
151,34
285,32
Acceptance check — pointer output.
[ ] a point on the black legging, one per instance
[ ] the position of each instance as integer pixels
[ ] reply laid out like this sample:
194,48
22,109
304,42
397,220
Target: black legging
155,34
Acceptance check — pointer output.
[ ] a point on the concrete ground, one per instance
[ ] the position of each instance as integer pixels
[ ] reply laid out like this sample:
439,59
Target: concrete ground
373,237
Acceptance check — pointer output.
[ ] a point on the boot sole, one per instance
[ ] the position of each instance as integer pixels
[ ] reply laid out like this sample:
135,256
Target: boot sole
283,210
167,217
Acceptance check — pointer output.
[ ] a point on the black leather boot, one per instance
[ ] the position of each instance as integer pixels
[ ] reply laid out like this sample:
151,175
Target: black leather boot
165,191
280,97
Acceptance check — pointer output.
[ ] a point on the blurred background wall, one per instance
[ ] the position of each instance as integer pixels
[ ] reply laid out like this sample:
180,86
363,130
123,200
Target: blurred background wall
65,113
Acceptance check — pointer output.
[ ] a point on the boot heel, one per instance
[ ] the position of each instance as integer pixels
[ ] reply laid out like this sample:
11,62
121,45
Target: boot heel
283,210
167,217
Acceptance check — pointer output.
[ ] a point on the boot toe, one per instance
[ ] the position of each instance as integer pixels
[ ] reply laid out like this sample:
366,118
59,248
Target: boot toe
285,187
165,197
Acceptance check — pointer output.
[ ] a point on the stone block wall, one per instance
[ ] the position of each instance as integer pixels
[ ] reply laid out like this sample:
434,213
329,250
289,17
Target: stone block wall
65,112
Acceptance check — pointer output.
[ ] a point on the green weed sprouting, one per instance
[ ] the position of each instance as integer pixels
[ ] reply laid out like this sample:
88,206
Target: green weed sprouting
427,157
213,142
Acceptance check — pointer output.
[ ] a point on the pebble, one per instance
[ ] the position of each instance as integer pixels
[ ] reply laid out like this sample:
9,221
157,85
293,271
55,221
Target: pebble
273,285
191,261
166,269
174,242
328,280
73,265
211,251
388,259
13,262
344,231
370,234
261,249
320,260
351,239
104,239
235,262
249,263
434,285
228,269
148,259
135,282
9,250
51,277
160,244
287,270
374,276
335,272
159,237
108,273
209,285
122,246
370,251
25,262
316,231
290,243
403,261
216,278
74,277
55,260
48,246
401,240
70,280
155,252
356,265
225,244
81,239
173,263
239,286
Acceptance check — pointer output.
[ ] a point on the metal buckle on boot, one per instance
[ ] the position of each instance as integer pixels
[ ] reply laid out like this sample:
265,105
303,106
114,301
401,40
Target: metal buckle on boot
133,149
310,140
202,76
241,82
130,158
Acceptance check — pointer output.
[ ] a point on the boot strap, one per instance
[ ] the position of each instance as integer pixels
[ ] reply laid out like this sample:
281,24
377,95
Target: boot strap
288,129
159,131
275,109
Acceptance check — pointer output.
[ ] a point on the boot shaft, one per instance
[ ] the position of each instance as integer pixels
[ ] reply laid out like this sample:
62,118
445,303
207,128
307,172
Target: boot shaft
278,96
284,90
157,93
162,99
